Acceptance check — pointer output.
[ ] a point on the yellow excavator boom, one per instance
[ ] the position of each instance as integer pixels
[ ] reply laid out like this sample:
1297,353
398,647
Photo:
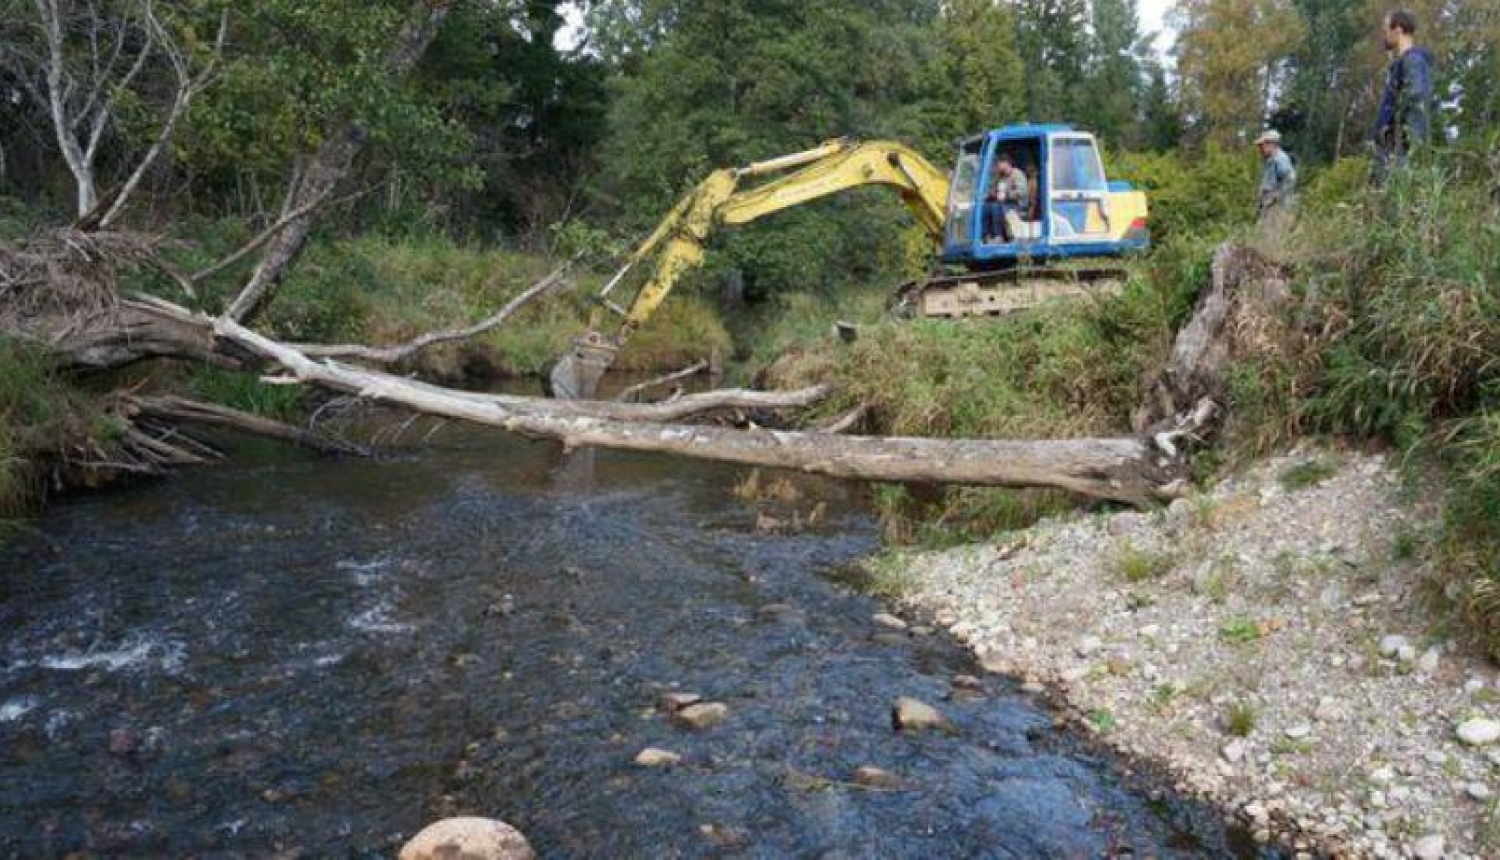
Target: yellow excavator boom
678,241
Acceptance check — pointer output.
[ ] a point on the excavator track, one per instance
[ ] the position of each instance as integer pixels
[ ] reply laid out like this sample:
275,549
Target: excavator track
1004,291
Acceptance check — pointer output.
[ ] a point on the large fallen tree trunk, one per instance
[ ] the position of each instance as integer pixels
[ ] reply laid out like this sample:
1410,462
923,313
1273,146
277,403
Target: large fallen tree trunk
1129,469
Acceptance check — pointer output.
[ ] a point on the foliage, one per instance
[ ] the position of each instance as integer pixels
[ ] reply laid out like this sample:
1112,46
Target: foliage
36,409
245,392
1193,193
1232,56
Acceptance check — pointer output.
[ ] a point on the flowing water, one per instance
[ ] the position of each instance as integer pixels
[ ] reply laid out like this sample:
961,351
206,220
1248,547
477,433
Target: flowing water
299,657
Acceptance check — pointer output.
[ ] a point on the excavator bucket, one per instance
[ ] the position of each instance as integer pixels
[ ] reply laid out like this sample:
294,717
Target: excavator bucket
576,375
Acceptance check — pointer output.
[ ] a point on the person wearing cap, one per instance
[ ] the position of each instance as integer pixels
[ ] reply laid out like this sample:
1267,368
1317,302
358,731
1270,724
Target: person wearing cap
1278,178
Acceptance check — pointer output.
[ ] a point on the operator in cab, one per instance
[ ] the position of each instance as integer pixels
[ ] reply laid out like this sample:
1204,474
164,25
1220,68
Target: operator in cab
1009,192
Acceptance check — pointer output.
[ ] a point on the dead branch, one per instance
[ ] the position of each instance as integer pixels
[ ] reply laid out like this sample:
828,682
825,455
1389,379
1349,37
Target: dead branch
183,410
266,235
399,352
846,422
628,395
189,86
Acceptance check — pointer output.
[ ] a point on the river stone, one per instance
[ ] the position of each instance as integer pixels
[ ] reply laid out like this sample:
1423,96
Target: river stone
874,777
1429,847
967,682
909,714
1479,731
702,715
1234,751
653,757
779,612
885,619
1391,645
677,700
468,839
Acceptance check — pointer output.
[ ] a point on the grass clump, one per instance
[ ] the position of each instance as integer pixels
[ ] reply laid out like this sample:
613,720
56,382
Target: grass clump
38,411
1239,719
1136,566
1307,473
1240,631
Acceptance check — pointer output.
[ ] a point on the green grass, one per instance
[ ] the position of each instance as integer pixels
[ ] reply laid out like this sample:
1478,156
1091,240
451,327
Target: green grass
245,391
1136,566
1308,473
1103,720
1239,719
37,410
1065,370
1239,631
380,290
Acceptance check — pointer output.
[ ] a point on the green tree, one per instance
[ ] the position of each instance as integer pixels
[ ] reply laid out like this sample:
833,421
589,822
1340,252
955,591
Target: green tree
1054,46
736,81
1322,96
975,80
1116,84
1161,116
1232,56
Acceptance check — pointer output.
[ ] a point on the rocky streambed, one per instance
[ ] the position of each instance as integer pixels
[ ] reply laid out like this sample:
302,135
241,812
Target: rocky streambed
302,658
1270,642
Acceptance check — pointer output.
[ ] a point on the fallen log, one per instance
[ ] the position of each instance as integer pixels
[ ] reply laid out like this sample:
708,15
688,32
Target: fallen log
629,394
1129,469
183,410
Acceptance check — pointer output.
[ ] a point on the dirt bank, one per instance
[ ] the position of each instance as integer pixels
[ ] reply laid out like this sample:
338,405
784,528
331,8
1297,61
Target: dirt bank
1267,641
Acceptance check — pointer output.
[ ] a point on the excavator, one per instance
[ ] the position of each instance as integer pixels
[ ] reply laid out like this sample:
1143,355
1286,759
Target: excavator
1064,242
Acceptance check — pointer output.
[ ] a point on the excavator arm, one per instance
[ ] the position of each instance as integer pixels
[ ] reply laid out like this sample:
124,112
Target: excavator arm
678,242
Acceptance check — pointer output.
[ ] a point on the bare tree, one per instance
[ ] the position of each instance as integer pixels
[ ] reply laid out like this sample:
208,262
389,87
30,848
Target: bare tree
81,57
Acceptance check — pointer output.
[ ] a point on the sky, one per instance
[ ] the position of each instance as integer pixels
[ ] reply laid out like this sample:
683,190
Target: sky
1153,15
1154,19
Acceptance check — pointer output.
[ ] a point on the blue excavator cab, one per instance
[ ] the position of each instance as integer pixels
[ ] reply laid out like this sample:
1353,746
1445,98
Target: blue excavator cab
1074,211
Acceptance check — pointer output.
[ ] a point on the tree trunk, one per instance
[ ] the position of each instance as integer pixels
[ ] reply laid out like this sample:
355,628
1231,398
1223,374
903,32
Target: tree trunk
1240,311
329,165
1127,469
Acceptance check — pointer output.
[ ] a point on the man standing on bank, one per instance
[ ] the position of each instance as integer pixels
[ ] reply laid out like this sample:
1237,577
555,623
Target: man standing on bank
1405,119
1278,180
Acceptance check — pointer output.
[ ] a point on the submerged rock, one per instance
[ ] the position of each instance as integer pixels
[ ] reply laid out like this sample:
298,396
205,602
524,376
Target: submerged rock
468,839
653,757
676,700
913,715
702,715
874,777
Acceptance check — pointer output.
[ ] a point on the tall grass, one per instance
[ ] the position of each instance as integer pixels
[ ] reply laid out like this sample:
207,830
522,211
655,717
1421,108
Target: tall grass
36,410
1405,283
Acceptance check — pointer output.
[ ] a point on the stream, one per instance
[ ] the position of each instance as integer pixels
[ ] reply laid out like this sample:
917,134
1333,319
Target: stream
300,657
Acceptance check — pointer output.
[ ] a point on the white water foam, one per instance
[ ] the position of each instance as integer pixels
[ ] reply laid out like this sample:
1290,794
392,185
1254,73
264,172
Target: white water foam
377,619
366,573
165,654
17,708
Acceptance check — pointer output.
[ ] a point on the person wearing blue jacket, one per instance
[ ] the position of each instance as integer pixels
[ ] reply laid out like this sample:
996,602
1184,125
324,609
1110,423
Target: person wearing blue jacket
1405,119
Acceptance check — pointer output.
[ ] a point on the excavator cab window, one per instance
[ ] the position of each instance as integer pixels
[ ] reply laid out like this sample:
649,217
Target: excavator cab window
965,185
1079,190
